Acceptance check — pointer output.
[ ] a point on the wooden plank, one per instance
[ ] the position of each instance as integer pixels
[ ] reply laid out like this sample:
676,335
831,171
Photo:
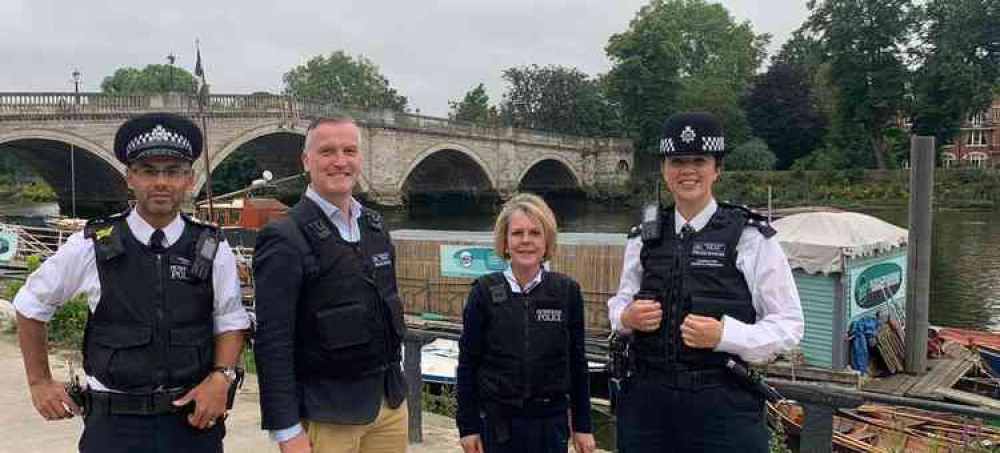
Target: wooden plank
897,384
809,373
944,373
969,398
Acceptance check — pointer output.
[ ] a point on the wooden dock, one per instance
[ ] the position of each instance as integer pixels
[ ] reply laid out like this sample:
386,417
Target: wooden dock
944,372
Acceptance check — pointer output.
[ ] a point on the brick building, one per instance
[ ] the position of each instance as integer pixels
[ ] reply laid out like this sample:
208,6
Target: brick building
978,142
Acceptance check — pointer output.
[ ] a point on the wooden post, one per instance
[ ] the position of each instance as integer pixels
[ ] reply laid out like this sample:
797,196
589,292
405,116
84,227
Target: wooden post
413,341
817,430
918,272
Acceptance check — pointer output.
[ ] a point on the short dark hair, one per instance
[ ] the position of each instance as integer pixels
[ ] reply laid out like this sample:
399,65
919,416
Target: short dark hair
332,119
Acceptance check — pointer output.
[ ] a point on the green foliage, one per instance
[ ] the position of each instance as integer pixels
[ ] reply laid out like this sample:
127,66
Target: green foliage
344,80
558,99
473,108
823,159
782,110
778,441
866,41
37,193
682,54
235,173
445,403
154,78
753,155
69,322
960,56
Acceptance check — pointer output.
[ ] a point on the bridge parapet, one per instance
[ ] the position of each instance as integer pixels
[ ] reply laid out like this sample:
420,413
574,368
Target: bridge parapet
36,105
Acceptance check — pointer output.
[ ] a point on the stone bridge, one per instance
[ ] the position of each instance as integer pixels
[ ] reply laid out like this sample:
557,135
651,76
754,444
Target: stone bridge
67,134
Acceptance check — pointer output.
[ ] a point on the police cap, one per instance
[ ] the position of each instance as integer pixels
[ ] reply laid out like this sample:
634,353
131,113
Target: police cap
692,133
158,134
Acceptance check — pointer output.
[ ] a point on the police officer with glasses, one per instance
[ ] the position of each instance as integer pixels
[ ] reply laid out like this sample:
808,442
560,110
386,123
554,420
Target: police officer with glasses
703,283
166,323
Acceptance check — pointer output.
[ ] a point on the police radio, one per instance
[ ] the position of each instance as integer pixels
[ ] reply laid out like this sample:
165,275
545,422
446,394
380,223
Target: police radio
652,220
208,244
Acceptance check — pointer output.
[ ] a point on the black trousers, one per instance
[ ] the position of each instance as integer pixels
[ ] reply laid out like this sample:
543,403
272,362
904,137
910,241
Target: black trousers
653,417
148,434
545,434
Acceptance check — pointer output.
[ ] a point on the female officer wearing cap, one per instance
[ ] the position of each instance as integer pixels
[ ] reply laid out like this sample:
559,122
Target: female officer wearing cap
703,282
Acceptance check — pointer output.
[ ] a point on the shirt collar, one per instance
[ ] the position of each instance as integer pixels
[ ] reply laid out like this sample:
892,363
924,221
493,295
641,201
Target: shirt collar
143,231
697,222
330,209
516,288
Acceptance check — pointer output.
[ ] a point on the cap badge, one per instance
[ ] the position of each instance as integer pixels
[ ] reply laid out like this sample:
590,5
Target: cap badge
688,135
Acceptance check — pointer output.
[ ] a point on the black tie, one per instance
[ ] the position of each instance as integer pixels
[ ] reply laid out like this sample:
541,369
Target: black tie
686,231
156,241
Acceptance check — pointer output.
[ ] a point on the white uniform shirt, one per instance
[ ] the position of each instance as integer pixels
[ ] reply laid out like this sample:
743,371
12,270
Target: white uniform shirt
762,262
72,270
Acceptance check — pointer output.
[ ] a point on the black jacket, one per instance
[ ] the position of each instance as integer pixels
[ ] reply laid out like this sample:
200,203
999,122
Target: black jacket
281,269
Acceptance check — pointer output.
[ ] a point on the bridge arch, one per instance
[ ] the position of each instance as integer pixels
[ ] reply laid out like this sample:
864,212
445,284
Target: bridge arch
100,178
281,162
434,169
549,172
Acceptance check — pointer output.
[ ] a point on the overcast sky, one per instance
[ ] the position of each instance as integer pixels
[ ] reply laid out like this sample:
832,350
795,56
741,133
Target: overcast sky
432,51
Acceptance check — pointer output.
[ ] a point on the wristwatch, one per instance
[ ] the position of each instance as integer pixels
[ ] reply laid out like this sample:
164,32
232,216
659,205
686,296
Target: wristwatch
226,371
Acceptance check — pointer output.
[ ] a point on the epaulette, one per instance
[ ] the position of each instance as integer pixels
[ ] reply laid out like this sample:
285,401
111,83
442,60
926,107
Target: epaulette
102,226
754,219
202,223
371,218
635,231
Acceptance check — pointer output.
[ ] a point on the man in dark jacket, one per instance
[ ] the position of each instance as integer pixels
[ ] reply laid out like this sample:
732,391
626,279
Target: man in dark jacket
330,319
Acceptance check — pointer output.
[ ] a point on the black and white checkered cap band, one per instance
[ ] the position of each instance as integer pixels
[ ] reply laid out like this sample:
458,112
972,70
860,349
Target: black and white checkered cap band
159,135
709,145
713,144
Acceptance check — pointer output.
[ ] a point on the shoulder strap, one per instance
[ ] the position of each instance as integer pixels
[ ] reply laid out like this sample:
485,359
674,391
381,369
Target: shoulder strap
106,234
753,219
496,287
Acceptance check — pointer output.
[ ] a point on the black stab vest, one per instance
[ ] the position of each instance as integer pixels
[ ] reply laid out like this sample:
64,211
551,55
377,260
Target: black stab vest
527,340
696,275
152,329
350,317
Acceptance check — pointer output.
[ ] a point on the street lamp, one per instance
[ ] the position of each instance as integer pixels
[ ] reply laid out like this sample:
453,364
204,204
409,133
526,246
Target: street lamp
76,85
170,59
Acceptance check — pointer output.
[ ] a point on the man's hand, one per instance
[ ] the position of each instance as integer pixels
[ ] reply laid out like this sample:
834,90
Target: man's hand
471,443
209,400
643,315
51,400
298,444
584,443
701,332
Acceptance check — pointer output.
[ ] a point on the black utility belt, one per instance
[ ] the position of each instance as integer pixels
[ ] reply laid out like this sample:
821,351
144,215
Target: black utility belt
687,379
157,403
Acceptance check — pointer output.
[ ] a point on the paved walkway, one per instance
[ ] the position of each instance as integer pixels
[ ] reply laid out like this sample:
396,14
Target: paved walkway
26,431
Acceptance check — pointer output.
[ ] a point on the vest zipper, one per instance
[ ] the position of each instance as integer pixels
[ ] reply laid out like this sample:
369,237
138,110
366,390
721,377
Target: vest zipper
527,345
164,341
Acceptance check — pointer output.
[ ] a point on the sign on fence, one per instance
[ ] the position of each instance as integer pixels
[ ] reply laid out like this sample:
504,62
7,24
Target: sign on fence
8,244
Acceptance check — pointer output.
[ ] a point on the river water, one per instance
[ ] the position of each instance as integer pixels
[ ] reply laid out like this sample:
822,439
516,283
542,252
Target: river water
965,278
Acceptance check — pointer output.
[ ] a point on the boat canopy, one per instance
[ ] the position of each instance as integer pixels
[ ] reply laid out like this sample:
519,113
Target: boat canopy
818,241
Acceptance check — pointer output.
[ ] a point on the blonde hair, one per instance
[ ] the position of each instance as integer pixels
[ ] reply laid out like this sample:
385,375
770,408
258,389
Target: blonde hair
534,207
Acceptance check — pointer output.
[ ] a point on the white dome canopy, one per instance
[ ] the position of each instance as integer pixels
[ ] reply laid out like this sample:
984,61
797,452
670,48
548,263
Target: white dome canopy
817,241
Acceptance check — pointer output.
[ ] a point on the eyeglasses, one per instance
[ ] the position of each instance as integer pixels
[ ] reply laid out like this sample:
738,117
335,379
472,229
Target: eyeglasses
171,173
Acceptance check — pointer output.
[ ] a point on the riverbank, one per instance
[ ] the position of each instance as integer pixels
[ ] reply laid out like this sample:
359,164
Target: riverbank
960,188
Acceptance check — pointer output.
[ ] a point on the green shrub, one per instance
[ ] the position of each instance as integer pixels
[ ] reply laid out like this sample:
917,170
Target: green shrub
445,403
